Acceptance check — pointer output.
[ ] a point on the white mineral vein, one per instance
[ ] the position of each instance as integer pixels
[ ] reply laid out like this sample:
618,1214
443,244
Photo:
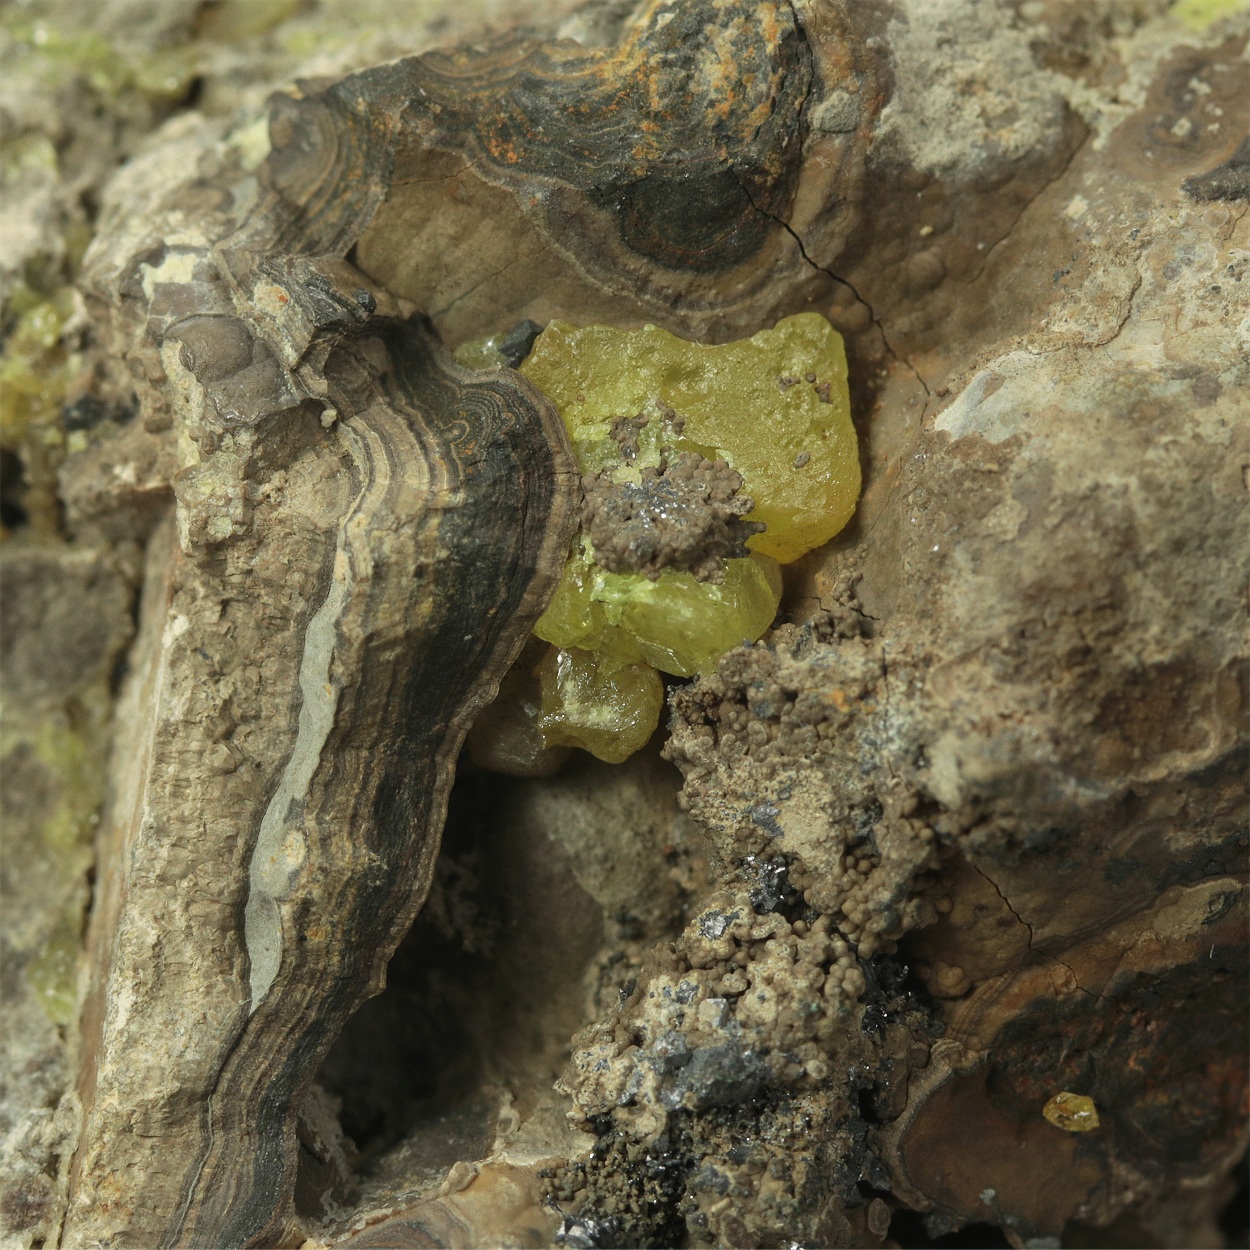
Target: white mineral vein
279,850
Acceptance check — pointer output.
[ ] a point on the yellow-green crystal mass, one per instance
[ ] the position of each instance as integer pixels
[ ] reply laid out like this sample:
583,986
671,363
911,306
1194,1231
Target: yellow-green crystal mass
53,972
775,408
675,623
71,762
607,706
750,403
34,366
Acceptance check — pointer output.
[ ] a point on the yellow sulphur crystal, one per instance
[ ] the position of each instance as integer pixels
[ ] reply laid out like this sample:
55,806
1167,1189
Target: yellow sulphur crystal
606,706
675,623
1074,1113
774,408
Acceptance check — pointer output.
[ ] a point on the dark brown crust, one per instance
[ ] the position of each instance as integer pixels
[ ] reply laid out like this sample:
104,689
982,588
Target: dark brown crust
659,170
431,509
484,571
686,135
1093,1023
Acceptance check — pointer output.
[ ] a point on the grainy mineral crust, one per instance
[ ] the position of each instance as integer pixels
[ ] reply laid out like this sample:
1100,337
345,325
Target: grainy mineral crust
686,514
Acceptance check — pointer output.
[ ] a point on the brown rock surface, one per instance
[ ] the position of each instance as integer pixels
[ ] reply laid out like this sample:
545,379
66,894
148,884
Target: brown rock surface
964,832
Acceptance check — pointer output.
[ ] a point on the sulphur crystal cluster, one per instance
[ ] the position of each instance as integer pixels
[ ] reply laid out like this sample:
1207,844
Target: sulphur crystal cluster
705,467
675,623
774,406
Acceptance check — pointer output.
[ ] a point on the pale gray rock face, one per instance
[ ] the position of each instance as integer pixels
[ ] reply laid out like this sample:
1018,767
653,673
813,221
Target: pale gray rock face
969,99
964,832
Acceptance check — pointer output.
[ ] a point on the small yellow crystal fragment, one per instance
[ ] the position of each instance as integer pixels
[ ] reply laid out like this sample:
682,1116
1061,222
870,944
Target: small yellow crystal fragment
774,406
1074,1113
605,705
675,623
35,369
480,354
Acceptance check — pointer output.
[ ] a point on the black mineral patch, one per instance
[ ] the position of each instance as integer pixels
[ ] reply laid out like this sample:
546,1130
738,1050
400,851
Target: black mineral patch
769,882
1229,181
85,413
518,342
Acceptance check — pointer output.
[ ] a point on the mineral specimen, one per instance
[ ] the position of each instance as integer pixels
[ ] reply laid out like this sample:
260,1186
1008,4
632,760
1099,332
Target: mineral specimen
760,404
1074,1113
995,749
667,433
